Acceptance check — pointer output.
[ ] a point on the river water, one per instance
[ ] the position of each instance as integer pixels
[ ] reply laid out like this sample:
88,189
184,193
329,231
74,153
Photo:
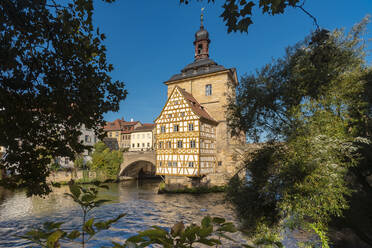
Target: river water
144,208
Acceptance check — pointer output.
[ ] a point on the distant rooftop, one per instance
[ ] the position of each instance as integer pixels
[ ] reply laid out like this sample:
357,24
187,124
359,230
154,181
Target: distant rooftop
119,124
146,127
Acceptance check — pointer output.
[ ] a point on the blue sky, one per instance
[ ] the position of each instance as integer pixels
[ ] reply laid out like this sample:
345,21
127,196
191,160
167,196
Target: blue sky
150,40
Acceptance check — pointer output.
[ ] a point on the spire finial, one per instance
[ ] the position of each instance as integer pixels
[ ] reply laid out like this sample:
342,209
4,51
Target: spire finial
201,18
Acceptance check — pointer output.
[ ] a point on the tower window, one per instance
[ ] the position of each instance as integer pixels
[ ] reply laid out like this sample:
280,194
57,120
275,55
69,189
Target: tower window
200,48
208,90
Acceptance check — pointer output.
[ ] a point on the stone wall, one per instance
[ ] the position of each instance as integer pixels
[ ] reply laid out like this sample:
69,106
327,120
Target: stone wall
64,176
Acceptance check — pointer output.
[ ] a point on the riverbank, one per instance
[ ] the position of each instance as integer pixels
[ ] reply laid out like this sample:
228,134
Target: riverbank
85,181
196,190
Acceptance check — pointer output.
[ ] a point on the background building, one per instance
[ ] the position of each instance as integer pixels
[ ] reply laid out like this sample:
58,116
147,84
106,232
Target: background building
121,131
88,138
142,138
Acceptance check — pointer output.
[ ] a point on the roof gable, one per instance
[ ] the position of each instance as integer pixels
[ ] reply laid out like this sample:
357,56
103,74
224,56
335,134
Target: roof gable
191,103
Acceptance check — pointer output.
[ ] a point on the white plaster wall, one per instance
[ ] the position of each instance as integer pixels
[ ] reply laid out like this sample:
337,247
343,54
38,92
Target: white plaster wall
144,139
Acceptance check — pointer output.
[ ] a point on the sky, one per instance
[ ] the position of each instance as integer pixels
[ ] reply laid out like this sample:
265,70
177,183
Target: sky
148,41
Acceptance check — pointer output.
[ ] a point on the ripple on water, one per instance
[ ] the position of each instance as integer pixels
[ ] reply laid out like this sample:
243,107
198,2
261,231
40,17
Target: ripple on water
143,206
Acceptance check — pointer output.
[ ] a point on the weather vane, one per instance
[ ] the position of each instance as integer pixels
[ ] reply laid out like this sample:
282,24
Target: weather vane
201,18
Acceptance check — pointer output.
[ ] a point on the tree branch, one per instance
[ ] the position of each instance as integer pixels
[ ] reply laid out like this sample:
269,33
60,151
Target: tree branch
308,13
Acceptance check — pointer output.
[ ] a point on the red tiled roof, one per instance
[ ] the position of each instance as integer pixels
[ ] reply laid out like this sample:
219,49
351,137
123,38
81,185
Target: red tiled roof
145,127
196,107
118,125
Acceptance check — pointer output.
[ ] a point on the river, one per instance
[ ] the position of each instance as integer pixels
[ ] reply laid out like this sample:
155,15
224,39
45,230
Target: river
144,208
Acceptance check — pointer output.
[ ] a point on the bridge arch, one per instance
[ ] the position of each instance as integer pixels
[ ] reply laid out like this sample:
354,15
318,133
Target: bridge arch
135,163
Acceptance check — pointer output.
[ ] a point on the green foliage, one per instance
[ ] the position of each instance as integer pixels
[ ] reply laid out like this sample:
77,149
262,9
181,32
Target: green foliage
54,166
313,105
79,162
54,78
209,233
51,234
104,160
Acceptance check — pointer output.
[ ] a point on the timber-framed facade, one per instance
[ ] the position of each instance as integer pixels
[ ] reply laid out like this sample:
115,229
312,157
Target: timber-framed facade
185,137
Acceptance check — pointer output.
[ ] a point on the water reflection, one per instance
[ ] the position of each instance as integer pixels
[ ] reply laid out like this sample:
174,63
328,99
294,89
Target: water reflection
144,208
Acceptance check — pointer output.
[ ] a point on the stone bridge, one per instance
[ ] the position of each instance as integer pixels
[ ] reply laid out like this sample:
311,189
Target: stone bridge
136,164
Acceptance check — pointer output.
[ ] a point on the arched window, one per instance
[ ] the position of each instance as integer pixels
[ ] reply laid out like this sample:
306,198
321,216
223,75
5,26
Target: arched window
200,48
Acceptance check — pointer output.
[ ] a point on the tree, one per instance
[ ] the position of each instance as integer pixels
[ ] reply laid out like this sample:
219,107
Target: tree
104,160
237,14
314,108
54,78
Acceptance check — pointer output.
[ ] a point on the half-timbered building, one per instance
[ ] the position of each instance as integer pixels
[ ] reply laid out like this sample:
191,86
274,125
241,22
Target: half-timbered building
185,137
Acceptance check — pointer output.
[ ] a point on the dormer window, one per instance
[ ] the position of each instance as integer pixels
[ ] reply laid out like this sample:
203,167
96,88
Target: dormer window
208,90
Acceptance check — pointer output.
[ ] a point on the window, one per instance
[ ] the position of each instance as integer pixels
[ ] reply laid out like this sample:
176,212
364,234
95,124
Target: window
200,48
160,164
143,136
208,90
160,144
191,164
170,116
192,144
179,144
162,129
143,144
117,134
109,134
169,144
176,102
169,164
148,144
133,145
176,128
182,114
191,127
87,138
138,144
67,160
174,164
148,135
219,163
